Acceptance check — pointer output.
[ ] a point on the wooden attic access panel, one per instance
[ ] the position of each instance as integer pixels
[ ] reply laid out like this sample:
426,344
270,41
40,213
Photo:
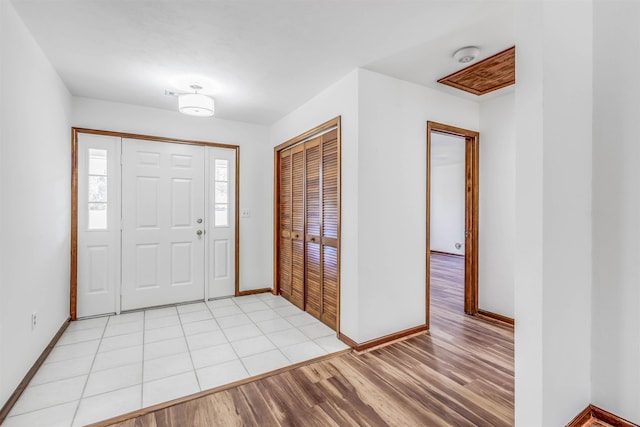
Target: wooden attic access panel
490,74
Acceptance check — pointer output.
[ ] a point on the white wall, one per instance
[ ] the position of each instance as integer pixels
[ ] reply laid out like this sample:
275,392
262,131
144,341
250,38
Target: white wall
383,152
256,182
35,195
616,209
447,207
339,99
497,205
392,160
553,211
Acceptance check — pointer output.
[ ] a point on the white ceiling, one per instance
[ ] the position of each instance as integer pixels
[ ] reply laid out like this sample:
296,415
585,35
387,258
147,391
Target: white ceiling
259,58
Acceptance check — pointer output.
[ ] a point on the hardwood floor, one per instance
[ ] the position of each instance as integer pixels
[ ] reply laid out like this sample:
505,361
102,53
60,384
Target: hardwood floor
458,374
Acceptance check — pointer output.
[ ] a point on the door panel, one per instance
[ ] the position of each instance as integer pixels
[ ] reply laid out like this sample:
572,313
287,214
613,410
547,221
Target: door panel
330,186
147,266
221,259
181,263
330,227
222,222
285,224
297,225
181,192
329,286
98,269
162,199
147,202
98,224
314,225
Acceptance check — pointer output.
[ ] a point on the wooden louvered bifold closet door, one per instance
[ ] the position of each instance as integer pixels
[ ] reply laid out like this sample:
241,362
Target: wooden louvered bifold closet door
322,216
309,215
330,227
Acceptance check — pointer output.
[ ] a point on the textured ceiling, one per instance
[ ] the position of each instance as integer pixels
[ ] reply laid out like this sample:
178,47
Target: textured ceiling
260,59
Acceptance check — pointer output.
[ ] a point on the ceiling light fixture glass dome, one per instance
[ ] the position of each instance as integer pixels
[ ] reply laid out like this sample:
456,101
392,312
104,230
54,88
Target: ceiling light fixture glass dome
196,104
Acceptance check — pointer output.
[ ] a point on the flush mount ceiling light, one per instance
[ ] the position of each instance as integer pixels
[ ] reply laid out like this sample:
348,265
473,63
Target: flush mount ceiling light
196,104
467,54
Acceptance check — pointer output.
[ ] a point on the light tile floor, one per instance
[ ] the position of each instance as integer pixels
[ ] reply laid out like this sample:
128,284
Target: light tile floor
111,365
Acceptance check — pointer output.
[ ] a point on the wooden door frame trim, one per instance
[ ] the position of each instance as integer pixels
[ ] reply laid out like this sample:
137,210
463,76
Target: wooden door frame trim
472,169
335,122
75,131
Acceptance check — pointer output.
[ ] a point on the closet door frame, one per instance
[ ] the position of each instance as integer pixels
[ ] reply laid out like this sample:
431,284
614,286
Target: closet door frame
75,131
334,123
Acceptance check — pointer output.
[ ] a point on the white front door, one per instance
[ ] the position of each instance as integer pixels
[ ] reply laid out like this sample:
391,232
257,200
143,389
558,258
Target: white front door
222,221
98,224
163,239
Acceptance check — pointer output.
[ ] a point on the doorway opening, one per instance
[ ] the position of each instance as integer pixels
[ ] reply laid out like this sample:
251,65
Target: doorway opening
452,217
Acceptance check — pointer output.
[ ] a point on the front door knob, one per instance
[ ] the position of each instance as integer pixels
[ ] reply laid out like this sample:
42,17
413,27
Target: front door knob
199,232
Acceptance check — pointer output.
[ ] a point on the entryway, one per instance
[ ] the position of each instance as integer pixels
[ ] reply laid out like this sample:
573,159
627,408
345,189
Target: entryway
156,222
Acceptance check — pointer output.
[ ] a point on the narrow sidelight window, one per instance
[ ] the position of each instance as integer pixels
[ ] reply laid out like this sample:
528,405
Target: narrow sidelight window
97,200
221,182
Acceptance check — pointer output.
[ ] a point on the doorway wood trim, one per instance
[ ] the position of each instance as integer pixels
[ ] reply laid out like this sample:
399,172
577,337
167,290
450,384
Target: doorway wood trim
316,131
472,157
75,131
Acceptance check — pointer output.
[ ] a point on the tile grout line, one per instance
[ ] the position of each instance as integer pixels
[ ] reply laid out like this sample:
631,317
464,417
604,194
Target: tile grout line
209,309
31,383
84,388
309,339
53,381
227,338
186,342
269,339
277,347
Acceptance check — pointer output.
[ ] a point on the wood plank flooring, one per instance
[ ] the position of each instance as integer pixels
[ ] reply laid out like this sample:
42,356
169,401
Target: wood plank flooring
458,374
